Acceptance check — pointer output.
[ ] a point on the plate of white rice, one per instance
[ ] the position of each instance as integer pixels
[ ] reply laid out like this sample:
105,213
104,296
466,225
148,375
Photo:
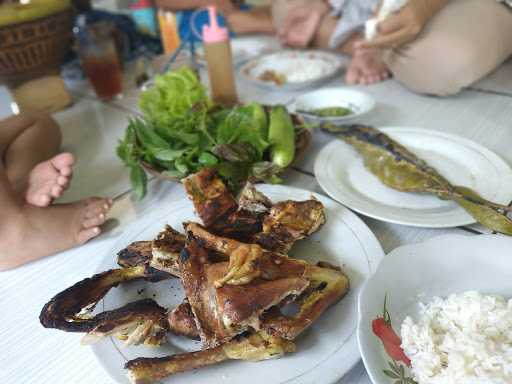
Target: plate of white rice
449,300
291,70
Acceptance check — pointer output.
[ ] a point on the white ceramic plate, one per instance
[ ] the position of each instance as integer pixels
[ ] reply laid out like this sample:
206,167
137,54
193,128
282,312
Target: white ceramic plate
303,69
325,352
359,103
244,48
340,171
416,273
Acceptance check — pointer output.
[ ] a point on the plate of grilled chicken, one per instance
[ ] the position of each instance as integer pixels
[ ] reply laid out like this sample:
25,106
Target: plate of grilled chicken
222,289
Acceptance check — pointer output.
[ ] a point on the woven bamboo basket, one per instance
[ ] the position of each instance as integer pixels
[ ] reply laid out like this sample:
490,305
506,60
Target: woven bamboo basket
34,48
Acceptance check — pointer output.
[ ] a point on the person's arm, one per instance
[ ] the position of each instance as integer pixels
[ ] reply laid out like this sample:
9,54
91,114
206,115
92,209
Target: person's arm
179,5
404,26
223,6
257,20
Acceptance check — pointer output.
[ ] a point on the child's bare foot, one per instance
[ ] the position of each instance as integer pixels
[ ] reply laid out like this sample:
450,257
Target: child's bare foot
49,179
366,67
39,232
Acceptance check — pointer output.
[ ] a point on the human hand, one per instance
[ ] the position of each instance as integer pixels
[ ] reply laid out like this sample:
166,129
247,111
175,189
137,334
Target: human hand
299,27
225,6
404,26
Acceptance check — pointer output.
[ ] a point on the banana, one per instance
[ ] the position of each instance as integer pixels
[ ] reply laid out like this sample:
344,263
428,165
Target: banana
36,9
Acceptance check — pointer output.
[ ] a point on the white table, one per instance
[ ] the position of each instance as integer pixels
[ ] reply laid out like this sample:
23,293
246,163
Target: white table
31,354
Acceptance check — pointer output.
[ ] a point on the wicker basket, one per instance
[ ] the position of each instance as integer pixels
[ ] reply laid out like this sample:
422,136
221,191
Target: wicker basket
34,48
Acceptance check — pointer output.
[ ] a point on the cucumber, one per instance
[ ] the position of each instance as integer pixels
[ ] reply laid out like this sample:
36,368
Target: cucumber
281,135
260,117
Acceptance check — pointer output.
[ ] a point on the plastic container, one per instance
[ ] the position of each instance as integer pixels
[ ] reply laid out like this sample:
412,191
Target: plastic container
219,59
144,15
168,31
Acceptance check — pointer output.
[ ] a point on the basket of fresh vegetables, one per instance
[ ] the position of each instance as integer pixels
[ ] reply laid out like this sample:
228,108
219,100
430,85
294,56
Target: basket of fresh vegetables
182,131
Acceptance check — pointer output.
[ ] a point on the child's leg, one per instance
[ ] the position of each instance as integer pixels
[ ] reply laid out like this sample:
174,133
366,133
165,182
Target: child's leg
29,144
25,141
28,232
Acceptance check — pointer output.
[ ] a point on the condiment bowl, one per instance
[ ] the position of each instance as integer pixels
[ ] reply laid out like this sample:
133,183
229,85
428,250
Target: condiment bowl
359,103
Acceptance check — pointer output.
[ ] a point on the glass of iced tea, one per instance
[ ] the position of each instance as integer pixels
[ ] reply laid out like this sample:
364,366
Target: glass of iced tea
101,64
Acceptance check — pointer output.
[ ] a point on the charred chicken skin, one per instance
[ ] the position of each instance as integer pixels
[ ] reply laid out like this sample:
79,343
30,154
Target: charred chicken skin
236,277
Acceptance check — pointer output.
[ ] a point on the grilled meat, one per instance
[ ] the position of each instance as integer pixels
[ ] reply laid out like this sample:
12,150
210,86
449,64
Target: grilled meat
223,312
290,221
140,322
253,347
212,199
166,249
327,285
182,321
70,309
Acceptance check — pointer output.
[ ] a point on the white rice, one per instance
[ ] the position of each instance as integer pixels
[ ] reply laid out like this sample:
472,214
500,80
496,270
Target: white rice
464,339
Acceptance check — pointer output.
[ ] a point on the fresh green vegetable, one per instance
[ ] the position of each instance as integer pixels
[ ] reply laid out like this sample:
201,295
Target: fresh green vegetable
330,112
181,131
281,134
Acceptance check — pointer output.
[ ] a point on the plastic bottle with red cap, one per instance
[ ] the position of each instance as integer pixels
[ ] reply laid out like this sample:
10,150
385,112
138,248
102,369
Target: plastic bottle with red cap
219,59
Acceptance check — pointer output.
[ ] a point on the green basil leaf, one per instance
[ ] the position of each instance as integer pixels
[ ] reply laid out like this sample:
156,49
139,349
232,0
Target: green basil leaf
181,166
139,181
169,154
207,159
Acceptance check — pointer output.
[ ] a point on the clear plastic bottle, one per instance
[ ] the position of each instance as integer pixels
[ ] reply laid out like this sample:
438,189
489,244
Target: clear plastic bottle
219,59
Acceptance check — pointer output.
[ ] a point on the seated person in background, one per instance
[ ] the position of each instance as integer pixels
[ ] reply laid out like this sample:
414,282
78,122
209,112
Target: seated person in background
240,17
32,174
435,47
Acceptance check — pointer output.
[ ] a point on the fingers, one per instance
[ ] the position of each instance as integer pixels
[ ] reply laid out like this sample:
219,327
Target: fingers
391,24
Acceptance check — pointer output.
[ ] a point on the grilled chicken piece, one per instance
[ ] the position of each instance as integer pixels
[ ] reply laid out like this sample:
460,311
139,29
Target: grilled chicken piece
140,322
326,285
212,199
166,249
254,347
290,221
70,309
222,312
135,254
254,219
182,321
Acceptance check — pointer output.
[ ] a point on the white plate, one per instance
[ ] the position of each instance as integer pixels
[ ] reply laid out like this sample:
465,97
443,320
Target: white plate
359,102
340,171
325,352
245,47
304,69
416,273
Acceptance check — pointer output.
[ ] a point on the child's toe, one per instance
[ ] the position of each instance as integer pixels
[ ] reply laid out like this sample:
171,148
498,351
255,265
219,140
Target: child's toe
63,181
94,221
87,234
56,191
43,200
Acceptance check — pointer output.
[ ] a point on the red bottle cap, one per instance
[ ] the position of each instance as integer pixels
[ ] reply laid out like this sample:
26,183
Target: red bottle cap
214,33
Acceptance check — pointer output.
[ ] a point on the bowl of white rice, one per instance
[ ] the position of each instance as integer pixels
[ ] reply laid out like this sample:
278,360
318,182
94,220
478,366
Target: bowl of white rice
449,302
